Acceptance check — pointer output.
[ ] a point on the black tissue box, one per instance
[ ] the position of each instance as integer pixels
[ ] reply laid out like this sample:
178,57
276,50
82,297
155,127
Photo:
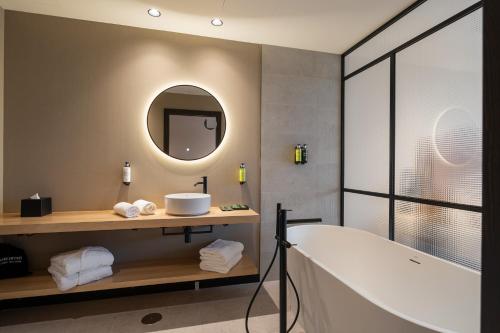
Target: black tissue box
36,207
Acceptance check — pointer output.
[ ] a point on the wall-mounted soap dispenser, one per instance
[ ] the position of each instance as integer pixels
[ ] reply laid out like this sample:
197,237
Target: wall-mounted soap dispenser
301,154
304,156
127,174
298,154
243,173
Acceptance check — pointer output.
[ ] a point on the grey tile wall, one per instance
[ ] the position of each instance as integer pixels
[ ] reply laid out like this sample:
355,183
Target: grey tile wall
300,104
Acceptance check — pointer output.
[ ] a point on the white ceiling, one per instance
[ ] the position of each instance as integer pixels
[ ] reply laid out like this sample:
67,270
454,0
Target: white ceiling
320,25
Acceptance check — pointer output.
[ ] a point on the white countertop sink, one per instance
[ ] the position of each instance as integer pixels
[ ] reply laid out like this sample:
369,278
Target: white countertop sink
187,204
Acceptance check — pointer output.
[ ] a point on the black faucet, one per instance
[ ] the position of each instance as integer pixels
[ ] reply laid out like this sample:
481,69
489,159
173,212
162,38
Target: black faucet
204,183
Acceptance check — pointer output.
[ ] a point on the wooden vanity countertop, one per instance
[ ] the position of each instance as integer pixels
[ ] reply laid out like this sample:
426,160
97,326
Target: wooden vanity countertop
76,221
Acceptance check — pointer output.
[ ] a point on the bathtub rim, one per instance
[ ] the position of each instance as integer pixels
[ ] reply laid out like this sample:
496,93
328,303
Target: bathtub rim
366,295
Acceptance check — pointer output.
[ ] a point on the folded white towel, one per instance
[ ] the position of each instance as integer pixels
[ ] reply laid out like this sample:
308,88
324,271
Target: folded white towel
66,282
145,207
215,267
72,262
218,260
127,210
222,249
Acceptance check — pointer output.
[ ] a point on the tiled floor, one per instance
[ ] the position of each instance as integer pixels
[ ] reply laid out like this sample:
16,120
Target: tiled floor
208,310
261,324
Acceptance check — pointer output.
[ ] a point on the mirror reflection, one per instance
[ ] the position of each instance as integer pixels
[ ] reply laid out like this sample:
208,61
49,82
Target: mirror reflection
186,122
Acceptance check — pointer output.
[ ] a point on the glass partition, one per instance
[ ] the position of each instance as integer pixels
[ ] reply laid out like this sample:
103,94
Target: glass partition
367,129
422,18
412,132
367,213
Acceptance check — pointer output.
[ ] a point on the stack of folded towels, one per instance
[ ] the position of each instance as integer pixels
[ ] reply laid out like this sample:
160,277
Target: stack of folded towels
140,206
220,256
82,266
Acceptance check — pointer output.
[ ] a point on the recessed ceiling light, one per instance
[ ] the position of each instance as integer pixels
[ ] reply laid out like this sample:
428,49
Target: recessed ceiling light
154,12
217,22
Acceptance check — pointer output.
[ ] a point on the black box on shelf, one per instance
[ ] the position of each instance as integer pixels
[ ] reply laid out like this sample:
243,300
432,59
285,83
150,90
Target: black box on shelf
36,207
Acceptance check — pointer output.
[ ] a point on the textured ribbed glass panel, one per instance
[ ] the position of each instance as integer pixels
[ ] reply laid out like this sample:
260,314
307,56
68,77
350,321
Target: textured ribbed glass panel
367,119
367,213
439,115
447,233
423,18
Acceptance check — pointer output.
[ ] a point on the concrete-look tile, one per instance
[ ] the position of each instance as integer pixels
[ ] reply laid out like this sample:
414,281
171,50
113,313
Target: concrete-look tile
280,60
287,118
97,323
289,89
193,308
300,104
273,289
262,324
328,180
328,144
327,65
67,325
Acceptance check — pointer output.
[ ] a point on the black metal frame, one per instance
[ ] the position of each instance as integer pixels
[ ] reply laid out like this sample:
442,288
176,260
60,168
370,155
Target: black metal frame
490,288
392,56
191,113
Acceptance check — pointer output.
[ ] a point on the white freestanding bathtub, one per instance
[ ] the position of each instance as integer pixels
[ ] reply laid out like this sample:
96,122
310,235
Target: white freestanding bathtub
354,281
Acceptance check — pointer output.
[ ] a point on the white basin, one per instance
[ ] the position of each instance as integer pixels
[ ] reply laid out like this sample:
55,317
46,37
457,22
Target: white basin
187,204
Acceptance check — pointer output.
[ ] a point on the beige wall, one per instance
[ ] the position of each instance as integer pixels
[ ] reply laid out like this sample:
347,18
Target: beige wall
76,97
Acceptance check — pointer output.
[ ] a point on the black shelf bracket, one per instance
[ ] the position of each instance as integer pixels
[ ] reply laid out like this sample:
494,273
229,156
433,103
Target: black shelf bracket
187,232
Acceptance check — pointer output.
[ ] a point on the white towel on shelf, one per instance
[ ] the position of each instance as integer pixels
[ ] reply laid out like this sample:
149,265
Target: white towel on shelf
207,265
72,262
145,207
217,260
66,282
222,250
126,210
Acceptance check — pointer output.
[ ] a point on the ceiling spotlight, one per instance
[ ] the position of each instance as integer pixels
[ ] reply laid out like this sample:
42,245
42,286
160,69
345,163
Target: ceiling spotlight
154,12
217,22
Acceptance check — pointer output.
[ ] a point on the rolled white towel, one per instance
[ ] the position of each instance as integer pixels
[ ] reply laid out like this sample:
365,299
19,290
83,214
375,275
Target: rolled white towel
145,207
66,282
126,210
224,269
72,262
222,249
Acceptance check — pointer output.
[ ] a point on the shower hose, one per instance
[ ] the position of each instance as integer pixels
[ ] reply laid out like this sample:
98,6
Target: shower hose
260,286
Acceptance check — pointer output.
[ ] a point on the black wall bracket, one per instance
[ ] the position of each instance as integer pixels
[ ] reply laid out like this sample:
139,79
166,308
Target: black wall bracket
187,232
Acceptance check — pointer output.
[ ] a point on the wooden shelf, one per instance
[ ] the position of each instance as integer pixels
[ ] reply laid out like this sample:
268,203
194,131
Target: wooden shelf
125,276
12,224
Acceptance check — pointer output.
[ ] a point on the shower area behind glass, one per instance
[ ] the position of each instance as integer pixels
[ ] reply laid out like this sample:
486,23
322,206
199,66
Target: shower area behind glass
412,130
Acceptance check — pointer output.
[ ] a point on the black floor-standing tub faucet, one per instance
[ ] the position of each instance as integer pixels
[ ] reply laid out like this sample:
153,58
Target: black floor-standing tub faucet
282,245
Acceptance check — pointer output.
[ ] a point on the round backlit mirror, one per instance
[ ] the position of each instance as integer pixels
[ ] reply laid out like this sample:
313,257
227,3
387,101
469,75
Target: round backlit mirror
186,122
